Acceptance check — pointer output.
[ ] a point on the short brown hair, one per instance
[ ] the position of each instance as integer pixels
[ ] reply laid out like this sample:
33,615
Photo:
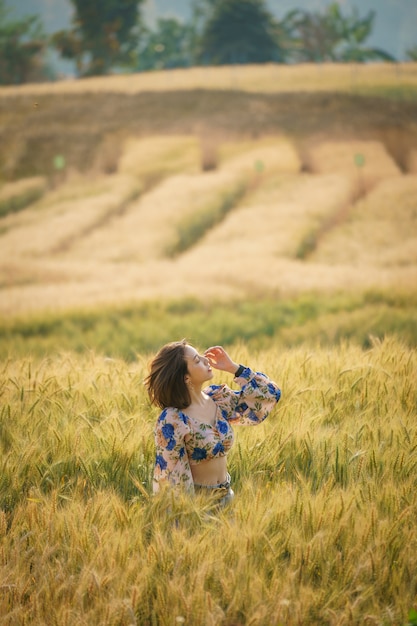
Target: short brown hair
166,381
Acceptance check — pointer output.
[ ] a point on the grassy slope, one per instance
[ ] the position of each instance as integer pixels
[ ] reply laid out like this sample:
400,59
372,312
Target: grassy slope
126,332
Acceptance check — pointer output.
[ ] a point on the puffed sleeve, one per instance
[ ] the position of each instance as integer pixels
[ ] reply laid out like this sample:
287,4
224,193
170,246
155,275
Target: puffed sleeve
252,404
171,464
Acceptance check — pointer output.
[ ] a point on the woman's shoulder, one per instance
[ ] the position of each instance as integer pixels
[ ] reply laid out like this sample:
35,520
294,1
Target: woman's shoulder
172,415
222,395
216,391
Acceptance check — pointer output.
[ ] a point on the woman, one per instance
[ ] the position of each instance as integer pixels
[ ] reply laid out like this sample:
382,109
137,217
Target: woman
194,432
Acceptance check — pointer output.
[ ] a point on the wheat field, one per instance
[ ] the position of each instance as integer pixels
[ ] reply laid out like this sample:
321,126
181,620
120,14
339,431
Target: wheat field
322,530
297,250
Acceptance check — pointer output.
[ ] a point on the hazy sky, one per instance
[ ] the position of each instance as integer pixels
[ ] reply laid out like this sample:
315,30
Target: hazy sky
395,26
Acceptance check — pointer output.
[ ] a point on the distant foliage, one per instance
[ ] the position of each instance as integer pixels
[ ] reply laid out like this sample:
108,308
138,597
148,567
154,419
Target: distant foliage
236,32
169,45
239,32
104,35
21,45
110,34
332,36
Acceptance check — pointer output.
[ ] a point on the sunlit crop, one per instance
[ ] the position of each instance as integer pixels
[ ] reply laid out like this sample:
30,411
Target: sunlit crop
322,529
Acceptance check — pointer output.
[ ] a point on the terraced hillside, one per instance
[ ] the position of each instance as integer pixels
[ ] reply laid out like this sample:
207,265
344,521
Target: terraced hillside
235,194
256,223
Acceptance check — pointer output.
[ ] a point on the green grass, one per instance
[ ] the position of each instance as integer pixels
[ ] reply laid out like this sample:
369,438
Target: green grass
21,196
125,331
322,530
193,227
398,93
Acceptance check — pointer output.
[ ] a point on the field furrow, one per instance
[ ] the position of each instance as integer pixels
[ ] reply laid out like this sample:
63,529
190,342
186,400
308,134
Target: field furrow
381,230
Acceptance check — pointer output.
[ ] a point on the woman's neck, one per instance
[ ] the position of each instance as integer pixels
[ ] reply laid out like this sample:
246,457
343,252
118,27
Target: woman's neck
198,397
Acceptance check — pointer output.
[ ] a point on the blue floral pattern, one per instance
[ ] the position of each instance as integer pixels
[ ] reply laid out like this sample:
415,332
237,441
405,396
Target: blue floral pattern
182,441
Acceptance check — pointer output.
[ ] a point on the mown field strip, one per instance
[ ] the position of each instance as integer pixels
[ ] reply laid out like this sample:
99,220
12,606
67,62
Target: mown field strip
267,78
381,229
43,230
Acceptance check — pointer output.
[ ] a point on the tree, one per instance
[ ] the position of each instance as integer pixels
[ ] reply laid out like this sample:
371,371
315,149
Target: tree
353,33
238,31
314,38
332,36
21,45
168,46
104,34
285,33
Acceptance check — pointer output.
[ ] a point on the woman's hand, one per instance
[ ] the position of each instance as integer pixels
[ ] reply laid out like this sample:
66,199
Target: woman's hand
220,360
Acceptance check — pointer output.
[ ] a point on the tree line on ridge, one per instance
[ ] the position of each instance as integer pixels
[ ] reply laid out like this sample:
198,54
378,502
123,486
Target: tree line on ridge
108,36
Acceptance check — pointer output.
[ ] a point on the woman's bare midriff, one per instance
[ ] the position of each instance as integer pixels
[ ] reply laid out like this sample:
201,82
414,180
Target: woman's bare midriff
212,472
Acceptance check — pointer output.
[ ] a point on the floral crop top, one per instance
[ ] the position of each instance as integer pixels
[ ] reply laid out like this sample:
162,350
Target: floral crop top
182,441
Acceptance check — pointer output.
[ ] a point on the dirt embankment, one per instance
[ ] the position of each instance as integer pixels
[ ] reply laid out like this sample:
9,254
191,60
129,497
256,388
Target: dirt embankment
36,129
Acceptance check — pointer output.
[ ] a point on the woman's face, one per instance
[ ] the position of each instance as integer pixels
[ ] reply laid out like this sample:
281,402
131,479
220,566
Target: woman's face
198,366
